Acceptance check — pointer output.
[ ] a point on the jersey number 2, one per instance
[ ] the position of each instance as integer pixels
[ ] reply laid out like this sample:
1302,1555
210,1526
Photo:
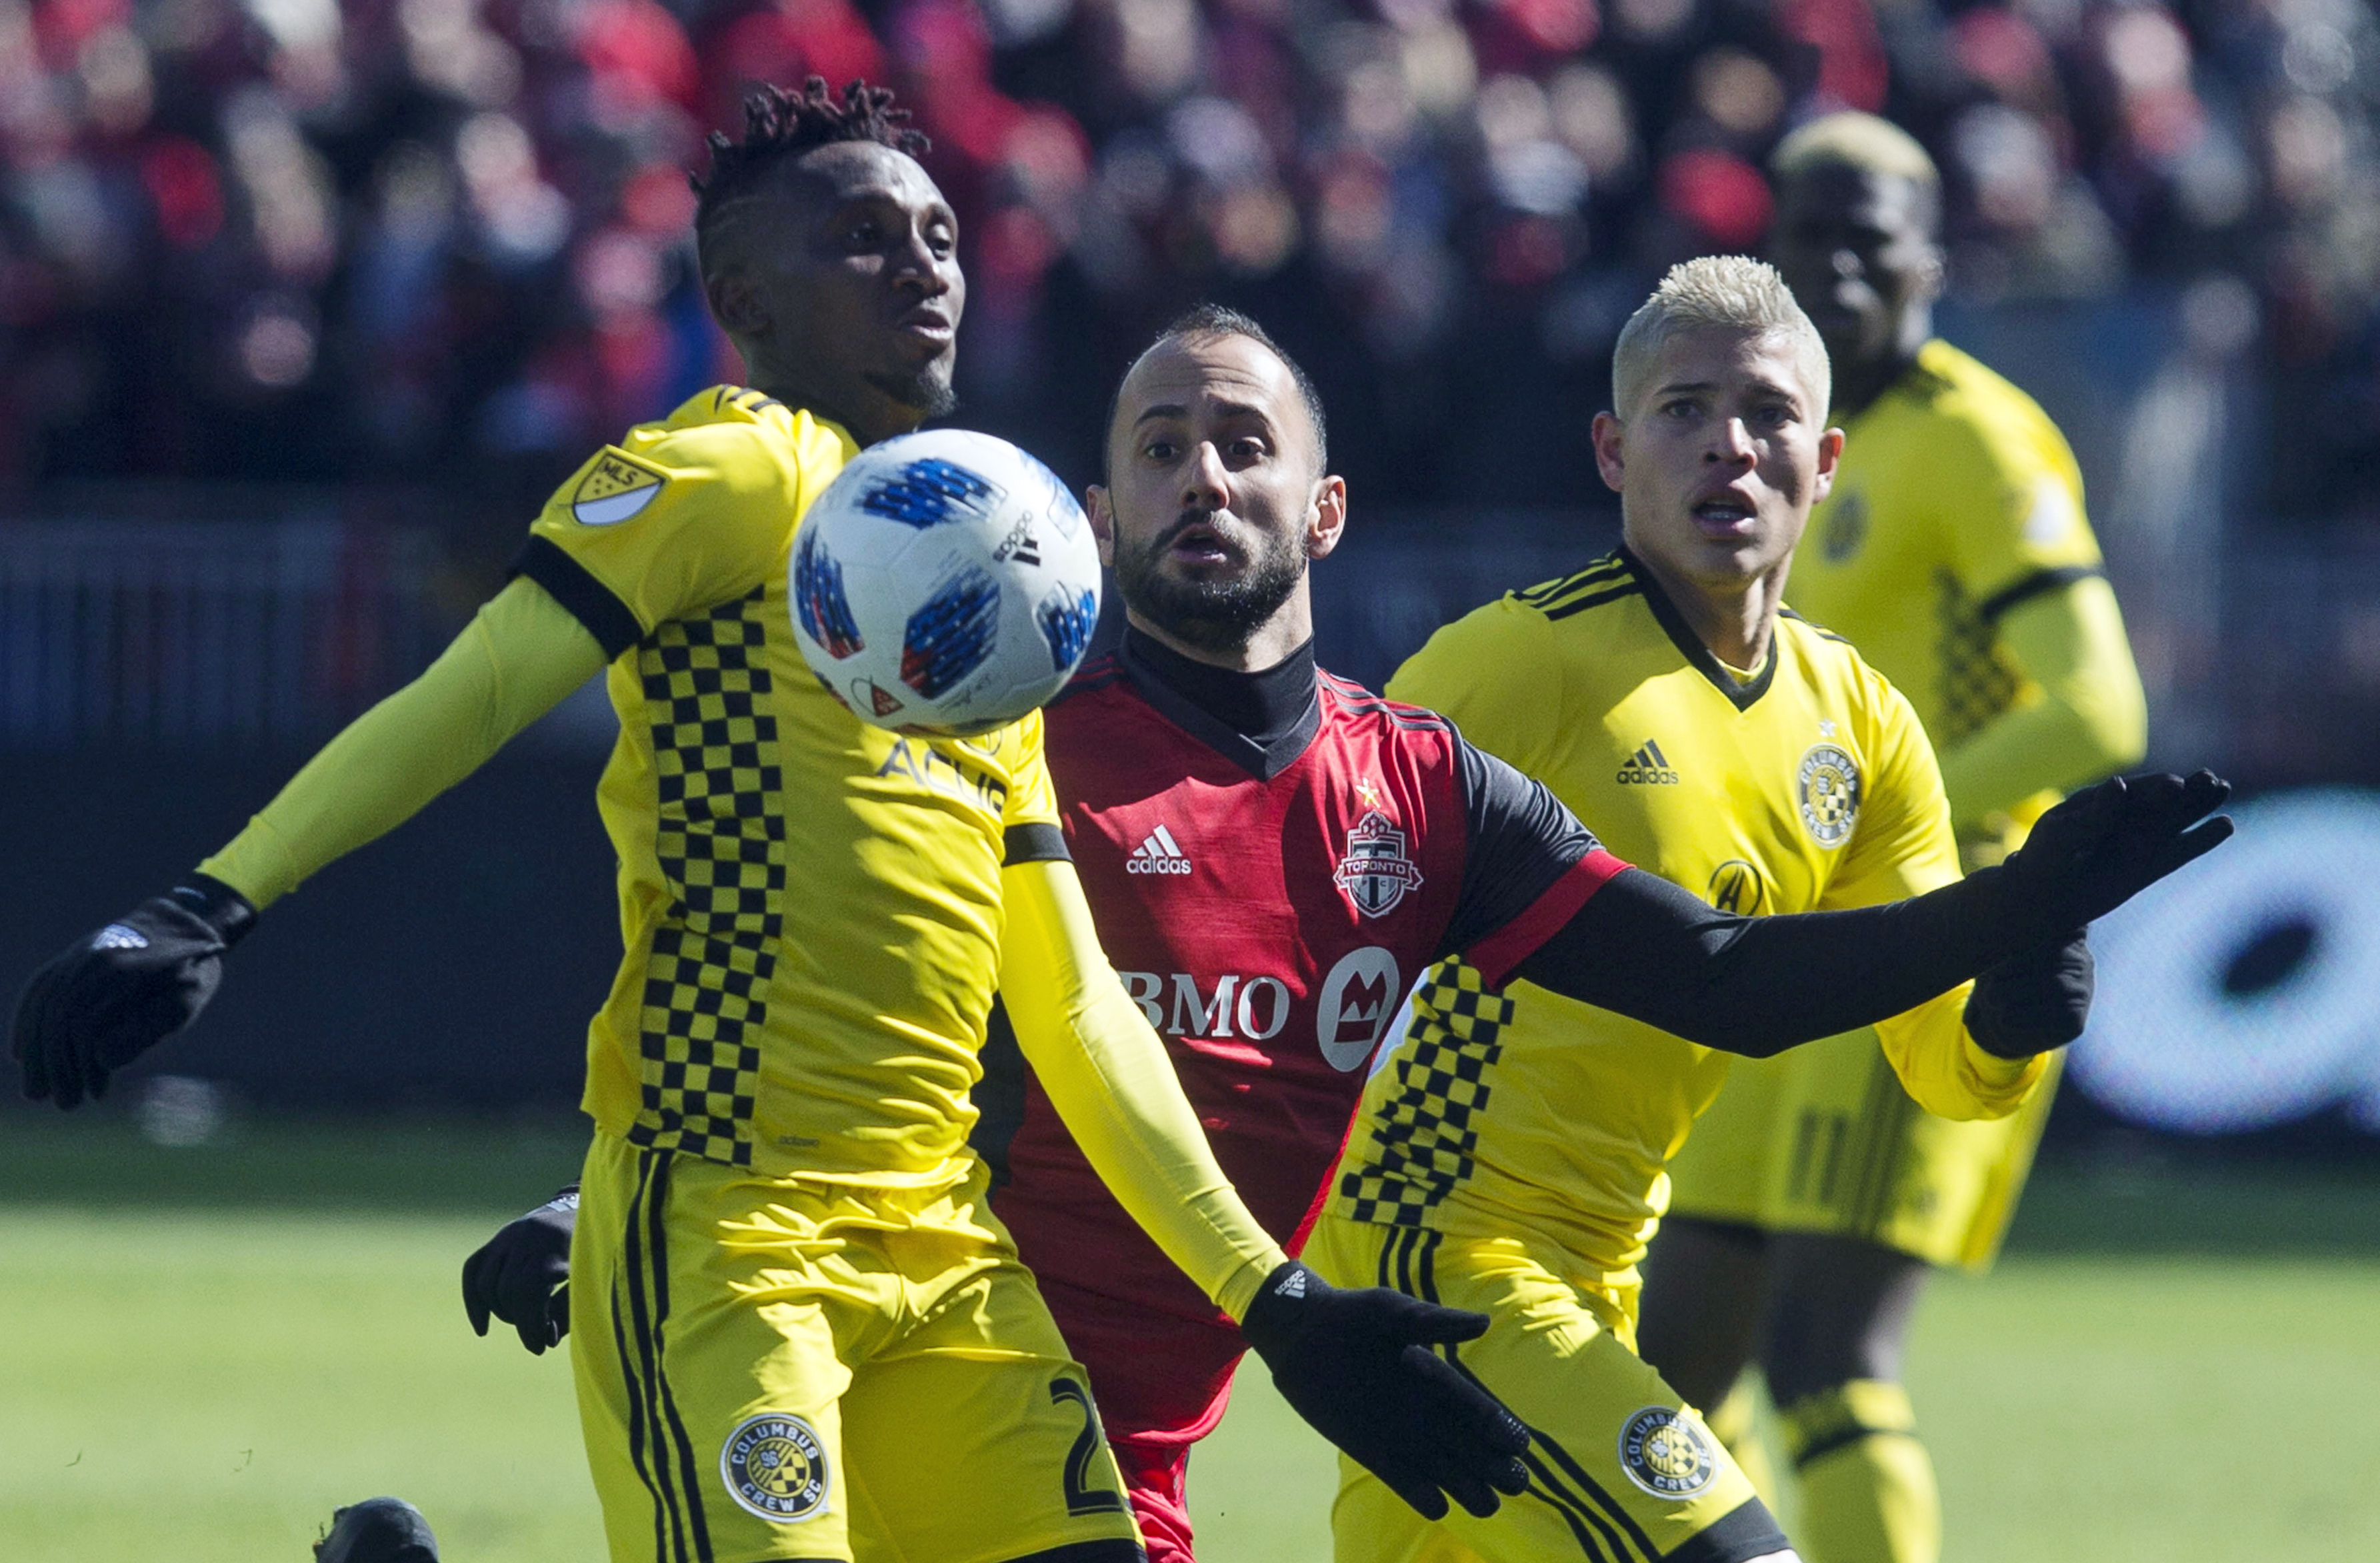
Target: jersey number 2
1082,1498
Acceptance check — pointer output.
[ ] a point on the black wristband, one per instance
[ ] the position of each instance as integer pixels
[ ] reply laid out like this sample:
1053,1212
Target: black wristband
222,909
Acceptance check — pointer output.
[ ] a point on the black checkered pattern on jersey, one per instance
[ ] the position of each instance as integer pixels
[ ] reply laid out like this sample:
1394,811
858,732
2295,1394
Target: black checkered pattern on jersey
721,842
1977,678
1421,1142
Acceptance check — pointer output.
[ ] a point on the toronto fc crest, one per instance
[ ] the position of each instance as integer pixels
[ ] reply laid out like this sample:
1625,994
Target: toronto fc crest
1376,874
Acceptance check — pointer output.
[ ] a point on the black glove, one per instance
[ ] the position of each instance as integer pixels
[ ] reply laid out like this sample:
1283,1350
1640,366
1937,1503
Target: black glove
2035,1002
522,1275
2108,843
1358,1366
115,993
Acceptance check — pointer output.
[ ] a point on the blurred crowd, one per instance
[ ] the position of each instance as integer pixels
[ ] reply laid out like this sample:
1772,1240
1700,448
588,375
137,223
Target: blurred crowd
447,239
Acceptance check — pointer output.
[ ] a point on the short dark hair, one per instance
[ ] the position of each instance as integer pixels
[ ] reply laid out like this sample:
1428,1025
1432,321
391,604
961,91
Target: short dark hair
779,125
1206,322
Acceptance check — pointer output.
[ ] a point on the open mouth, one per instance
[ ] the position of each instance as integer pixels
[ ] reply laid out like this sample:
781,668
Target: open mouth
1725,516
1200,543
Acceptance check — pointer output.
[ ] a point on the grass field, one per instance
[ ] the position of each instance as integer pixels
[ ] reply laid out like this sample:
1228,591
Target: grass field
202,1351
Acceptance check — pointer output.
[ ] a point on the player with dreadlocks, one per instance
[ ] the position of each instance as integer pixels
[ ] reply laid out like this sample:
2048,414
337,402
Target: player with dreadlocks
798,1329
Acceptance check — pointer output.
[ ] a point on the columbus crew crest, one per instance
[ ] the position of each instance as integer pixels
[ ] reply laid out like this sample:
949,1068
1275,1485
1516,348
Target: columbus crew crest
1666,1454
1376,874
1830,787
775,1467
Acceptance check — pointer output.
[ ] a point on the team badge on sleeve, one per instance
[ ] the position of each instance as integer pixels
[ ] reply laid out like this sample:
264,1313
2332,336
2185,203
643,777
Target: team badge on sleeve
1666,1454
775,1467
615,489
1376,874
1829,785
1846,528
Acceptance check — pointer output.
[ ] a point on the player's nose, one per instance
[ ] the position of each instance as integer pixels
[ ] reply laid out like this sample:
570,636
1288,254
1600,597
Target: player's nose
917,270
1730,441
1207,483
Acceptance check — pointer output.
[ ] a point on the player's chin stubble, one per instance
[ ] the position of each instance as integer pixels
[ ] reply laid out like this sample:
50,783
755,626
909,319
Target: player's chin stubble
1214,616
927,392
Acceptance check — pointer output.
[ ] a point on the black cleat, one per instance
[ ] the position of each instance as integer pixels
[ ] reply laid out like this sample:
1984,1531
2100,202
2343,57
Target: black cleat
378,1530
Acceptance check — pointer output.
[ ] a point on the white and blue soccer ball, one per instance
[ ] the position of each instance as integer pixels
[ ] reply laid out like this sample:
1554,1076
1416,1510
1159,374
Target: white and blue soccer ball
946,583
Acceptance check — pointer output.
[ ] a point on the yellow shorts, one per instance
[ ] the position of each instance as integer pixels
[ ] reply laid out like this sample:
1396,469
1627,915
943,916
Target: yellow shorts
769,1371
1823,1139
1620,1471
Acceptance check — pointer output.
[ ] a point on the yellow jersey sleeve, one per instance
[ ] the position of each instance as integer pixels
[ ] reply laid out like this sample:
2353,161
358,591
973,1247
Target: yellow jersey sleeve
1904,846
2090,720
2010,500
1496,673
1032,797
1112,1084
681,515
511,664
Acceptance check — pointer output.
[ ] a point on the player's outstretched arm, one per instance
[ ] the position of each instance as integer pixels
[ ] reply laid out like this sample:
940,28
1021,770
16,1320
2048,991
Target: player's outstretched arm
1756,985
112,996
1354,1364
522,1275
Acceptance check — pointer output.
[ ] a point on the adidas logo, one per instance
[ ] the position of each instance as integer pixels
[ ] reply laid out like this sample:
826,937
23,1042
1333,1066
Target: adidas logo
1648,767
1019,545
1160,854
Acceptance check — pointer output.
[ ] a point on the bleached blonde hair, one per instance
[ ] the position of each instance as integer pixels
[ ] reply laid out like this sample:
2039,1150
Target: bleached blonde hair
1732,292
1852,140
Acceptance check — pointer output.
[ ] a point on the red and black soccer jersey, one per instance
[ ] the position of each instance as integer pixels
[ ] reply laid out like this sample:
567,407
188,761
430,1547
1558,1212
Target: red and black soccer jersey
1273,860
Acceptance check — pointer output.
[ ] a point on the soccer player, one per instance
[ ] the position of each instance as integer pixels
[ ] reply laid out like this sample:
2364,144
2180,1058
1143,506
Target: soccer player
1954,553
1509,1156
1272,852
800,1331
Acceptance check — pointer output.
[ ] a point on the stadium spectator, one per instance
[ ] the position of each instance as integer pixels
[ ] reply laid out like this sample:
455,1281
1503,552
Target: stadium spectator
316,239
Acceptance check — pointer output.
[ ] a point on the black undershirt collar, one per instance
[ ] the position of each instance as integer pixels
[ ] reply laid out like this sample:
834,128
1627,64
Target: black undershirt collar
1261,721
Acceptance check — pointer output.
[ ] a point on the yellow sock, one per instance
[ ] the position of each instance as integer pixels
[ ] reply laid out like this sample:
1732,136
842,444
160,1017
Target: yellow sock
1734,1423
1867,1486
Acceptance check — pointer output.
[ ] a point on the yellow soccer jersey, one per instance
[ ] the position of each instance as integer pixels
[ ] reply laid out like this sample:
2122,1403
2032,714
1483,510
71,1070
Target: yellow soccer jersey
811,907
1956,499
1807,786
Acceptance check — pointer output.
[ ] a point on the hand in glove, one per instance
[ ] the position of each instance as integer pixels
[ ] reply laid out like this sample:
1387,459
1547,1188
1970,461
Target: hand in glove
112,996
1358,1365
522,1275
2035,1002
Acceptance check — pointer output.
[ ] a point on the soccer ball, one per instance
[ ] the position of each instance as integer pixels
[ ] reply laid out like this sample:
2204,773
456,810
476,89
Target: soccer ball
945,583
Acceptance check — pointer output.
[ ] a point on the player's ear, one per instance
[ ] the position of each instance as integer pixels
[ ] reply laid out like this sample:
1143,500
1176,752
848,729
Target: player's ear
737,304
1607,434
1326,522
1095,505
1831,456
